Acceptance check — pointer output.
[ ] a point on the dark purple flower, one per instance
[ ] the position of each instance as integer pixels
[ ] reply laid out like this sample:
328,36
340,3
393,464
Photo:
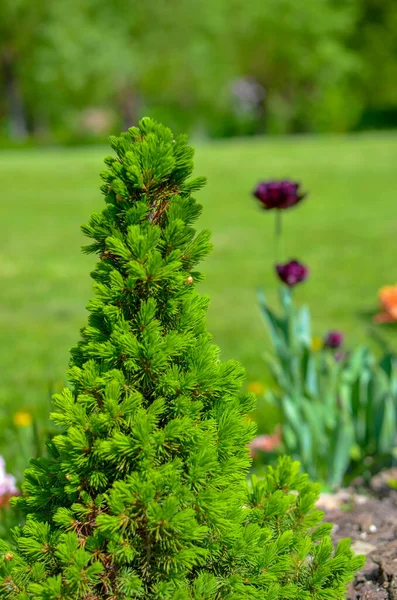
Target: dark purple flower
278,194
333,339
292,272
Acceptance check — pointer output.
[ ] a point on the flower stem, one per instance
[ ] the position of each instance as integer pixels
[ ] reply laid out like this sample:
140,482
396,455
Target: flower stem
278,234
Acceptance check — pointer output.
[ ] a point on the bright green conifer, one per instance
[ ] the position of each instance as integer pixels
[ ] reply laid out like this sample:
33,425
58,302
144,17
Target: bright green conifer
143,495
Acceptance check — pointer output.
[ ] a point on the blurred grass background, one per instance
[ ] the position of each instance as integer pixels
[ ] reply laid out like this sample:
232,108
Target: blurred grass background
345,231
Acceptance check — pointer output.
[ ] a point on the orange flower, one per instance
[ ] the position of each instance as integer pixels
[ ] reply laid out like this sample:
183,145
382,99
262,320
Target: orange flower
388,301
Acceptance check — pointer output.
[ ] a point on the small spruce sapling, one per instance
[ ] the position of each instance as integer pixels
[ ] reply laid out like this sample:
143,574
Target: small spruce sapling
143,495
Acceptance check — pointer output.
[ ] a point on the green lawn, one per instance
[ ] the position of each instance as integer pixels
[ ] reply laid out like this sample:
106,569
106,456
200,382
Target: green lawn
346,231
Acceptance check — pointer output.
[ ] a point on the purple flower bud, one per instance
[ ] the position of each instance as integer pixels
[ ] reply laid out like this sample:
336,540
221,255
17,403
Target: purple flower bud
292,272
333,339
278,194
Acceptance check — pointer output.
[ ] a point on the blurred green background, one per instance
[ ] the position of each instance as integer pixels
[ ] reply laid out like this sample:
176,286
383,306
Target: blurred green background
268,89
74,70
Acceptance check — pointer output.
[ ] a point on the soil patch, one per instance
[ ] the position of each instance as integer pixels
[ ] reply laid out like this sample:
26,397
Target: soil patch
371,523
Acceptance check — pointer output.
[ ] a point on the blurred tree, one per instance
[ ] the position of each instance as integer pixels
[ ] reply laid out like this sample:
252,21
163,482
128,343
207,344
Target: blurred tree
129,55
217,66
298,52
375,40
20,22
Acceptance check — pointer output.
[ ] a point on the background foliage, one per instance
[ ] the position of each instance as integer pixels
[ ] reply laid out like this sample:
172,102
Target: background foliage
338,409
75,70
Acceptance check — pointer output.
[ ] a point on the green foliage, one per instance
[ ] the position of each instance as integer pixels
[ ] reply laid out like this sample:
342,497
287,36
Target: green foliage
375,40
283,504
338,416
300,54
283,550
143,494
321,64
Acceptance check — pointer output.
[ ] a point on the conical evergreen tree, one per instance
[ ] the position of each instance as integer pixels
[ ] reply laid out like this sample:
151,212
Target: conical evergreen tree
143,495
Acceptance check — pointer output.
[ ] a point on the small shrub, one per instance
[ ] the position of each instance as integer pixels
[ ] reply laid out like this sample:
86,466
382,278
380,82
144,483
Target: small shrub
143,494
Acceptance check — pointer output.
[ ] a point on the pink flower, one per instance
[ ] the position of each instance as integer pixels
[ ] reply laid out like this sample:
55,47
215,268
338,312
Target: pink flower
265,443
8,486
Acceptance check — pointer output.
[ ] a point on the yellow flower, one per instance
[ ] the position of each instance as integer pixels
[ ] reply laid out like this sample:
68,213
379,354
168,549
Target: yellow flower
257,387
317,343
22,419
355,452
